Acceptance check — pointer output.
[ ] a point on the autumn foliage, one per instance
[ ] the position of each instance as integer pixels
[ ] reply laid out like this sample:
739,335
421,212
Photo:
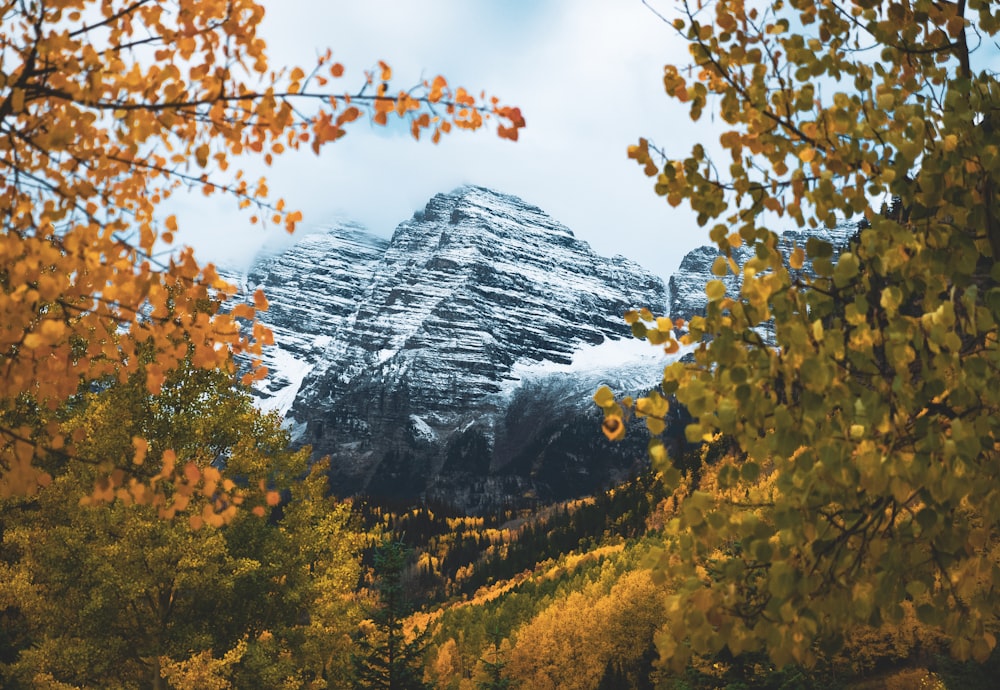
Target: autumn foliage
118,597
861,395
107,108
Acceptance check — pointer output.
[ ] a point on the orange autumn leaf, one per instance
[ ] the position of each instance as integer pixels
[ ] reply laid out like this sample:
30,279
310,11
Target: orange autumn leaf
105,136
141,448
260,301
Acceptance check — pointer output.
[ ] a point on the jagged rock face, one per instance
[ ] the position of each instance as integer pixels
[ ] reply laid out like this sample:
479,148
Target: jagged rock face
313,288
456,362
686,287
413,394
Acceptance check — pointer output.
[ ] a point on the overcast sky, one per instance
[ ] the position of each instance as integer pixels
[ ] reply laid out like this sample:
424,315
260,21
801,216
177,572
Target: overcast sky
587,75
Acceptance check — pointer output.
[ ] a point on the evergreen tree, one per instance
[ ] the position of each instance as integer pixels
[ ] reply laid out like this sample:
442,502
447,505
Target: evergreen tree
494,666
386,659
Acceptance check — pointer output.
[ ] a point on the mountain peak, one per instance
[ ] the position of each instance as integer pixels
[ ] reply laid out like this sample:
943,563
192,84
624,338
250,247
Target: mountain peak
471,289
472,206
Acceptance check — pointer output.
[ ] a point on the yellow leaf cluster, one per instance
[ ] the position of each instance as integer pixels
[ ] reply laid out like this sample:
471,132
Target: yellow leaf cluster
857,399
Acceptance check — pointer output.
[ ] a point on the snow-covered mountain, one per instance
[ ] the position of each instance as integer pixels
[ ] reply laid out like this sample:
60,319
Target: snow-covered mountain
686,287
313,289
457,360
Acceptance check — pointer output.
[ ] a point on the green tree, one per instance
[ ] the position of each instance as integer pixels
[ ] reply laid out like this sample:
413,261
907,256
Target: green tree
388,656
493,665
116,596
867,426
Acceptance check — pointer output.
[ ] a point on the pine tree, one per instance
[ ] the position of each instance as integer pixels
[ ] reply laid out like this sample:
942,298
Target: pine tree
494,666
386,659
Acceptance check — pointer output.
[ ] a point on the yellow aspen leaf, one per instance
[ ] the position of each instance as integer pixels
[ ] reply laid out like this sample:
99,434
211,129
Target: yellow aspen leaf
216,519
291,219
807,154
507,132
211,474
797,258
604,397
613,427
349,114
201,155
715,290
262,334
656,336
437,89
657,452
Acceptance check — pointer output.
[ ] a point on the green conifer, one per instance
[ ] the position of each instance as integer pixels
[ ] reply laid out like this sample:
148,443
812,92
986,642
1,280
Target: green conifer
385,658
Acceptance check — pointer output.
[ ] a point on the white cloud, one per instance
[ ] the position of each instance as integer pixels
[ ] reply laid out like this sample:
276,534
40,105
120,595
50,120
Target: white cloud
586,74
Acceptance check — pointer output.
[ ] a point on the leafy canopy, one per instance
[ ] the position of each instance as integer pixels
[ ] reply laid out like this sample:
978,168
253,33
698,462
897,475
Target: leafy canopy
107,107
118,597
861,397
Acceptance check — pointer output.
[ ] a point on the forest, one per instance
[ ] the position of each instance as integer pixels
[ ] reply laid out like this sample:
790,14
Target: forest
830,521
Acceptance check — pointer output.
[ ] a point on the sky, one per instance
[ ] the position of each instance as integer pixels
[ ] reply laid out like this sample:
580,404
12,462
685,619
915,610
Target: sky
586,74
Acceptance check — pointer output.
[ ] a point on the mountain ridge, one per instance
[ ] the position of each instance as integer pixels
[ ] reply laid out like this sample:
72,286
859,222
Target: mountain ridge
417,362
456,360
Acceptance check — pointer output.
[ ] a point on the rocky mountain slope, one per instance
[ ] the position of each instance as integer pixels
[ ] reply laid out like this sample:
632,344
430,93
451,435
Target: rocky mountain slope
419,391
686,287
313,288
457,360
